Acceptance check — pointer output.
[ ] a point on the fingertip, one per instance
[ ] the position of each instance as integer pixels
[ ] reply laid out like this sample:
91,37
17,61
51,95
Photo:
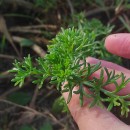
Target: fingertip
110,43
118,44
92,60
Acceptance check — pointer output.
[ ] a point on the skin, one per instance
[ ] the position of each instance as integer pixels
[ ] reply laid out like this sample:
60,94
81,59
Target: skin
99,118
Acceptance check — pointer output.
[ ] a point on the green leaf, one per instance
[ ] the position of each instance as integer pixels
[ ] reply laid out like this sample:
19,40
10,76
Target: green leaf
69,97
93,103
21,98
26,43
26,127
110,106
59,105
46,126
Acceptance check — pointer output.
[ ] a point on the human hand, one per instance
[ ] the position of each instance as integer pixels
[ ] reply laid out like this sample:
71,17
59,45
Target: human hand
97,118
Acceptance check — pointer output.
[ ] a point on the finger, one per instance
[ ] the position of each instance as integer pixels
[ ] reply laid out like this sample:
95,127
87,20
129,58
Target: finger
118,69
119,44
107,64
95,118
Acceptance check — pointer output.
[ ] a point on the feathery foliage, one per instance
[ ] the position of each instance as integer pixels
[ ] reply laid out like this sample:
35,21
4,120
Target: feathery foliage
66,65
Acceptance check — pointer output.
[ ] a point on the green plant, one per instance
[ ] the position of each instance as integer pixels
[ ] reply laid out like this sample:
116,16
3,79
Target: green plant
66,66
46,126
100,30
46,4
59,105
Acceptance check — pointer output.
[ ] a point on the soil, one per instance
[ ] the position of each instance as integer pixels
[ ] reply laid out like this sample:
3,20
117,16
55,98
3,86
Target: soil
37,105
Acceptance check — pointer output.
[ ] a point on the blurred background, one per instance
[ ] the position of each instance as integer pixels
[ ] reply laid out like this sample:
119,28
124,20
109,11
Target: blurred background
27,27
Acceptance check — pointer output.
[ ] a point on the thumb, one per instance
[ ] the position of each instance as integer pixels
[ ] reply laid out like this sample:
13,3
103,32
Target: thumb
95,118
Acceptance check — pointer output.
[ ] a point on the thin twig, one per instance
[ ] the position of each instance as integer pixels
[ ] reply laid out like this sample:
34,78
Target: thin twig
35,47
71,7
36,31
4,30
44,26
3,96
45,114
21,30
54,118
120,29
13,90
40,40
38,50
24,4
32,103
98,10
24,107
47,95
19,3
5,74
8,57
